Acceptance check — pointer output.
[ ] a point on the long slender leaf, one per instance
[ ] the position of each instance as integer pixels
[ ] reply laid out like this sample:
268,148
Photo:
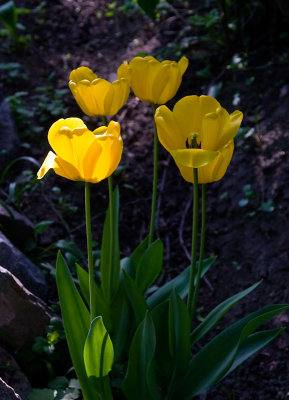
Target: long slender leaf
76,323
149,6
139,383
110,267
180,283
98,350
138,252
136,298
215,359
252,344
150,265
218,312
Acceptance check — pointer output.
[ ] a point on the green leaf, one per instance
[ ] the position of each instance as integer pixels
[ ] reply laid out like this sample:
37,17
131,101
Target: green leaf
43,394
149,6
76,321
150,265
139,380
98,350
215,359
110,263
217,313
180,283
8,16
255,342
136,298
179,334
138,252
101,307
41,226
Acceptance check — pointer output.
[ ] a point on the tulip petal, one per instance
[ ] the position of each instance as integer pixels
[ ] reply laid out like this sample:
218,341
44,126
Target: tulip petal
187,113
194,158
70,139
212,128
82,73
169,133
231,127
208,105
124,71
183,64
60,167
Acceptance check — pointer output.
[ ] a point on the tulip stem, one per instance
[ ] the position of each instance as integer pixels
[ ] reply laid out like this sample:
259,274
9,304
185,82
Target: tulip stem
202,246
110,191
89,252
155,183
194,245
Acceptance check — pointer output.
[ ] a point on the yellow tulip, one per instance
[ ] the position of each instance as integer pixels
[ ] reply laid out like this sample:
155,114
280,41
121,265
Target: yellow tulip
82,155
98,97
153,81
199,134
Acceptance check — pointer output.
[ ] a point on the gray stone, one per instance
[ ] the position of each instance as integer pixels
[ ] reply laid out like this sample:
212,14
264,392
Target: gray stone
25,270
13,376
16,226
23,315
9,139
7,393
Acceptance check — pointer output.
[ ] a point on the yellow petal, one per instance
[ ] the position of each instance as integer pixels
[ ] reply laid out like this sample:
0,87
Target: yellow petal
166,83
183,64
169,133
188,115
194,158
82,73
60,167
231,127
124,71
109,157
212,129
70,139
208,105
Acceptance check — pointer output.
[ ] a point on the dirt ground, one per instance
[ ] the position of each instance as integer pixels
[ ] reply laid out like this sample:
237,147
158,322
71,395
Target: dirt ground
248,211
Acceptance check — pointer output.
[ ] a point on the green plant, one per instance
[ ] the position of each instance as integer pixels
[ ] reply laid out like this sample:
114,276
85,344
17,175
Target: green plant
9,18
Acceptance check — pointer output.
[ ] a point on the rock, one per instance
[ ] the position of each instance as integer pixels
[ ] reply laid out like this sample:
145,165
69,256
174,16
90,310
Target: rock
7,393
16,226
25,270
9,140
13,376
23,315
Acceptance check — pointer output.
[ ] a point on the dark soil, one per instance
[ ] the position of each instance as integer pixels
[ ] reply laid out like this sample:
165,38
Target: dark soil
250,240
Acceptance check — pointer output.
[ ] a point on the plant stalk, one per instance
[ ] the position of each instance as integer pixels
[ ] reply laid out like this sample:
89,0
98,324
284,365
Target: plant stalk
89,253
202,247
155,183
194,244
110,190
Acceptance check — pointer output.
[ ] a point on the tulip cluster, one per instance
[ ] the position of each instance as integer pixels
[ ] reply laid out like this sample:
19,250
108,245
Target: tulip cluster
120,323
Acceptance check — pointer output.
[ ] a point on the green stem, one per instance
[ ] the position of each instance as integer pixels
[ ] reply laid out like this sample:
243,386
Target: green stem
155,183
110,190
89,252
194,244
202,247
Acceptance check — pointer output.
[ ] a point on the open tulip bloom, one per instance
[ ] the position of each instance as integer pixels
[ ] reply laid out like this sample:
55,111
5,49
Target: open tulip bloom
199,133
147,339
82,155
96,96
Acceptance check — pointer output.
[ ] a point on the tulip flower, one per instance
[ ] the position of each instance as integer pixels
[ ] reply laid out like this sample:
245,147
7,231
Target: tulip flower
153,81
199,134
82,155
98,97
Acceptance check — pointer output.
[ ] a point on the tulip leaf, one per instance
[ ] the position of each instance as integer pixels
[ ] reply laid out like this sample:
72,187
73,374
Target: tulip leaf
179,334
139,382
110,258
150,265
180,283
216,358
218,312
252,344
163,357
149,6
76,323
136,298
98,350
138,252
